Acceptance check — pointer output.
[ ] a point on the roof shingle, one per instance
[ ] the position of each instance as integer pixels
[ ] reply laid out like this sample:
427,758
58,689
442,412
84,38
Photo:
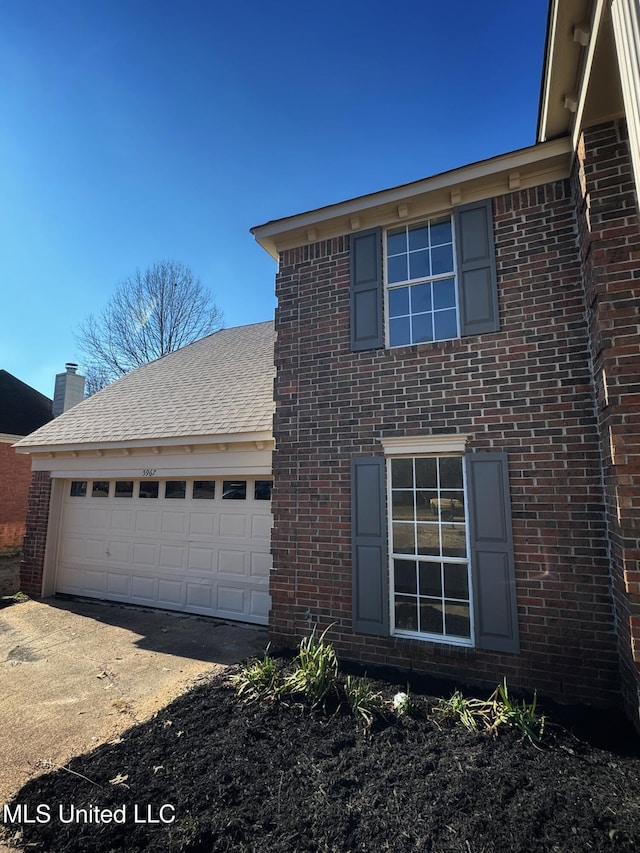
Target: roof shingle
220,385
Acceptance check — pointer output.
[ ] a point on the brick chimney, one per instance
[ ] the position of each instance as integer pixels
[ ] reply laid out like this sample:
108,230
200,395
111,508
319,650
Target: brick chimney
69,390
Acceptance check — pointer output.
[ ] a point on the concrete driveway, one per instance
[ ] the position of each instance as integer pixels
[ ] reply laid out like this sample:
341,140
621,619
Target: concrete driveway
75,674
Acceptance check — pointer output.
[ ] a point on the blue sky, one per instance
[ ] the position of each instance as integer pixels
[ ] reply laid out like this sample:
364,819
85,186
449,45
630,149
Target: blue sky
138,130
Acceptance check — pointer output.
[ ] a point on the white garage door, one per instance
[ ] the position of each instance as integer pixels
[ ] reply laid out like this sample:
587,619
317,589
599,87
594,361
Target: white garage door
202,546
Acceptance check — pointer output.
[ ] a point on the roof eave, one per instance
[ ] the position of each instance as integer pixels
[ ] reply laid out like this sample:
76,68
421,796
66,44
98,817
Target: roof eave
519,169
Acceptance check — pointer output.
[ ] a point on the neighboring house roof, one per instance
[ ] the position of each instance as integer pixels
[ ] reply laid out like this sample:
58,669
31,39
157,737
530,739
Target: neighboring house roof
22,408
220,385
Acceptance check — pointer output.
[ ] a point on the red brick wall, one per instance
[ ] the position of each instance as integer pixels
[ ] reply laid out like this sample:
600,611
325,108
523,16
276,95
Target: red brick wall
35,541
610,252
526,389
15,477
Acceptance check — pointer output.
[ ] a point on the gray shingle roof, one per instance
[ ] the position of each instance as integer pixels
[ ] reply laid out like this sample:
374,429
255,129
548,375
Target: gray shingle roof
220,385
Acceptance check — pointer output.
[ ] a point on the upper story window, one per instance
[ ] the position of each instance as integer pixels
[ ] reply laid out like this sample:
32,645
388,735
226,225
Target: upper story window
421,285
428,281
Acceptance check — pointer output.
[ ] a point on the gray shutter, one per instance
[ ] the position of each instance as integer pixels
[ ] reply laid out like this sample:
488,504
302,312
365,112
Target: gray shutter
476,268
369,546
366,290
492,564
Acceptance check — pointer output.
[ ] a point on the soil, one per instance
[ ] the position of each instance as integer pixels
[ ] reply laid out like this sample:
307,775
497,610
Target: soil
9,573
281,776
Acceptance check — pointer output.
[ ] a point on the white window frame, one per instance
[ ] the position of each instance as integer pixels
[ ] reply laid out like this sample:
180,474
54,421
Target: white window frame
427,447
426,280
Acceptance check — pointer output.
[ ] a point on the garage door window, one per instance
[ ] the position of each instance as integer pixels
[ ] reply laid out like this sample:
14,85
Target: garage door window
100,489
175,489
204,490
124,489
262,490
78,489
148,489
234,490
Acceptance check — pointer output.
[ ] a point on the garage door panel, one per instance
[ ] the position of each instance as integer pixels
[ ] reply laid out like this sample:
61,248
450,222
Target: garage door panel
145,554
147,521
231,562
199,595
208,556
233,525
260,565
98,519
144,588
84,579
172,557
170,592
122,520
96,549
201,559
120,552
231,600
201,524
261,527
260,604
118,584
72,549
174,523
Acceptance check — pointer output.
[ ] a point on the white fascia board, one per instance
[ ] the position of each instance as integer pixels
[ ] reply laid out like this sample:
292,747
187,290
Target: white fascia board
7,438
535,159
147,443
586,71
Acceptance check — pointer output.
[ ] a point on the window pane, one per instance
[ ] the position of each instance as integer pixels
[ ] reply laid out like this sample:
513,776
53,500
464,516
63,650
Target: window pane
430,616
405,576
204,490
426,505
446,325
398,301
454,540
402,505
124,489
100,489
451,472
419,237
234,490
441,260
420,298
175,489
148,489
78,488
397,268
440,232
419,266
402,473
403,538
456,620
399,332
406,613
455,581
444,294
427,473
421,329
430,579
397,241
429,540
262,490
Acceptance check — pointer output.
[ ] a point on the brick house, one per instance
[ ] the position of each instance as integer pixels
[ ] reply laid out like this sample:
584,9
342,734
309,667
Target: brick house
22,410
457,435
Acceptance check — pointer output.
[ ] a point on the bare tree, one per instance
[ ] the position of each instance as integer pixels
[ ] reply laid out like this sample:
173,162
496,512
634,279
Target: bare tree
150,314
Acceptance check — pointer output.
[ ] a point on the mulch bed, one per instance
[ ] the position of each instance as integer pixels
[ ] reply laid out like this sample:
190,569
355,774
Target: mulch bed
282,777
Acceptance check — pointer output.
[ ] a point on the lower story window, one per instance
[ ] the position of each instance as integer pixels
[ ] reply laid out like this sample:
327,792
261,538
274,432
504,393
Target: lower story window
431,590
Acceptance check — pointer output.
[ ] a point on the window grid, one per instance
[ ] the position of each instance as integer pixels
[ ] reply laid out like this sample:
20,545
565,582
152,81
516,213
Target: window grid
421,293
430,592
